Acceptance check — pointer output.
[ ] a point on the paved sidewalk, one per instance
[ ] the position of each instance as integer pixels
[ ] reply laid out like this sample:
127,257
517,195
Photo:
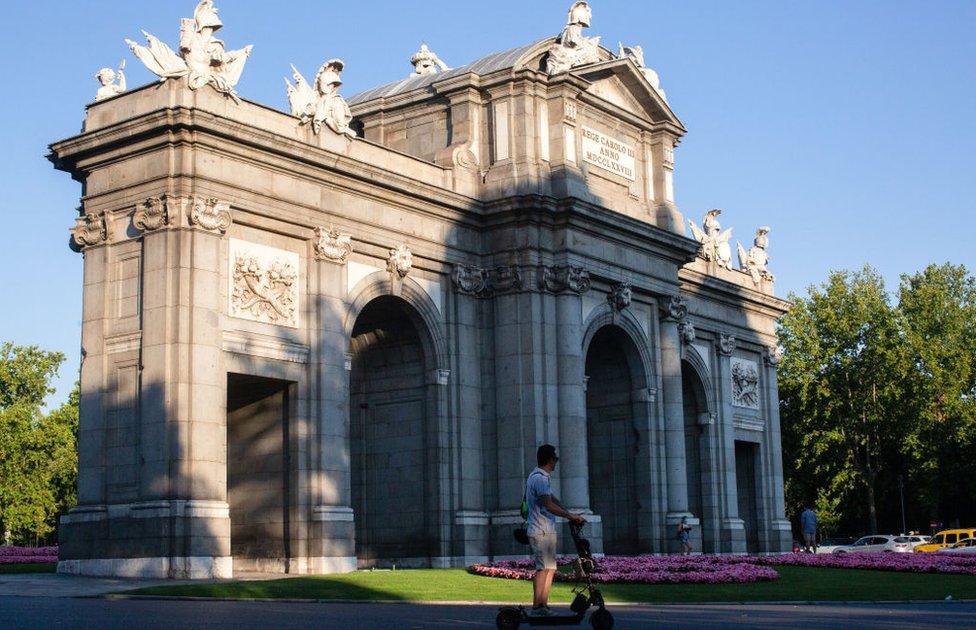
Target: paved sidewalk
58,585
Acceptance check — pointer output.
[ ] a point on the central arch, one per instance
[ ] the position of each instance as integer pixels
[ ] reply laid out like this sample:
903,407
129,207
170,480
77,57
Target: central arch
392,409
614,373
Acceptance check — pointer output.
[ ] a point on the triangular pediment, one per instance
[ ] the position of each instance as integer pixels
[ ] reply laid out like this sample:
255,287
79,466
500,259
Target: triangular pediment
621,83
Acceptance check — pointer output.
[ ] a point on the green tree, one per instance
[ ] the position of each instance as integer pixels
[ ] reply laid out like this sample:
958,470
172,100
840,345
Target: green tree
938,307
38,457
841,381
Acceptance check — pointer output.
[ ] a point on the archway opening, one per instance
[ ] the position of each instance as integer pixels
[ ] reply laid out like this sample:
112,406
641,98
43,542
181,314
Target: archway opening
613,438
700,492
258,472
389,409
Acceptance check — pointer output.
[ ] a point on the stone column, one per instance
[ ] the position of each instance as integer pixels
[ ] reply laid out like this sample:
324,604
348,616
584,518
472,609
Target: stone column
333,548
569,284
673,313
471,535
780,530
86,522
733,532
573,463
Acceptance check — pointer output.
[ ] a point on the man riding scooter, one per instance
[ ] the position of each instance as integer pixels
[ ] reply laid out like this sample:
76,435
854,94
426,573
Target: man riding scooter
543,510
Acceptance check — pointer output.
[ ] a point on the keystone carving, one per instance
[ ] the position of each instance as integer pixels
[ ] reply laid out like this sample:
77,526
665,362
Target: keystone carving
620,296
565,277
687,332
210,214
726,345
89,230
400,261
331,245
675,309
152,214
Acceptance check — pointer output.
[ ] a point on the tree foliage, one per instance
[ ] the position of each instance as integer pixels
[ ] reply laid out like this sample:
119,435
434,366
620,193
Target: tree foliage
38,456
873,389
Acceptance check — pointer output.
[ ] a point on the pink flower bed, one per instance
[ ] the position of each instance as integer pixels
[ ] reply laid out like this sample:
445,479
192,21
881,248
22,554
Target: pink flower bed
734,569
28,555
644,570
903,562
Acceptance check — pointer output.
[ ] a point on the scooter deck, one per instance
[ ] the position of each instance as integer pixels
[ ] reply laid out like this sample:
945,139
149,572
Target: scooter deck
554,620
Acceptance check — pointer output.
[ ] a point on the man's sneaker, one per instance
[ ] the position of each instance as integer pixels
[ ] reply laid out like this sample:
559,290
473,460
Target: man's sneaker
542,611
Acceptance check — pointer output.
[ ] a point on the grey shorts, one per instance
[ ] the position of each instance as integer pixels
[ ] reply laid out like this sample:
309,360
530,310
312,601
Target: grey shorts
543,550
809,539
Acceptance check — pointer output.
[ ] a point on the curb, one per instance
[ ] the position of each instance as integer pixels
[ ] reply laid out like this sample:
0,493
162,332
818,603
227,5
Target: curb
123,596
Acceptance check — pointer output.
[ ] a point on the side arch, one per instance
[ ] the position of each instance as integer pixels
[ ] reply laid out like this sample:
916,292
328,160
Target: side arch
426,317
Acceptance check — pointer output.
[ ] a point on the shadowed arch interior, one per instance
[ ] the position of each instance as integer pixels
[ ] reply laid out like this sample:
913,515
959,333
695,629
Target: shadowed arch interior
389,411
613,371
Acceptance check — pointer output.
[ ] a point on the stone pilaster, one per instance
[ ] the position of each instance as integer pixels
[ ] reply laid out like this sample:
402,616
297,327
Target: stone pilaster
672,315
333,530
780,534
733,532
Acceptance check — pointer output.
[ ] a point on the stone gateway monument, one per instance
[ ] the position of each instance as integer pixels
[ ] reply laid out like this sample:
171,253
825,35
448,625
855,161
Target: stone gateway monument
332,333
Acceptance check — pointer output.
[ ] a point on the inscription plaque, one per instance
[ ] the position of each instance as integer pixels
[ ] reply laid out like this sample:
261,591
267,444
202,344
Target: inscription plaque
602,151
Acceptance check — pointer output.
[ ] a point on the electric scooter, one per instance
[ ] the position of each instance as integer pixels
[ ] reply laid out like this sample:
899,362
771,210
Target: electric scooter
587,595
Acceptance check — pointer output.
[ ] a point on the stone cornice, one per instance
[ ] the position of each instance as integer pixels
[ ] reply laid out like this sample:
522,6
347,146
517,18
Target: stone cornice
712,289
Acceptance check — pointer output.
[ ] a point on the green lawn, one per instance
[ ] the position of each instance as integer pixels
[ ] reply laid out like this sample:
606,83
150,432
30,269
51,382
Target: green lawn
28,568
795,584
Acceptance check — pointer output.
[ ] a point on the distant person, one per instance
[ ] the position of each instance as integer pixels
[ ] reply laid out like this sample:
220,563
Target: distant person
808,525
543,510
684,536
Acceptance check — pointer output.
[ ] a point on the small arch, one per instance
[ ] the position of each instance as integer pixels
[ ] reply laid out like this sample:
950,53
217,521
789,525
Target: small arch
423,311
606,316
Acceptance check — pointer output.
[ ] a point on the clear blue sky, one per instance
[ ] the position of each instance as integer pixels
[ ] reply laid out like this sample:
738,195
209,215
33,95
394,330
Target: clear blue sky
847,126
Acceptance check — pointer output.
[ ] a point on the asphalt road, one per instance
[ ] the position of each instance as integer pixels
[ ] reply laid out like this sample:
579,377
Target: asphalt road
49,613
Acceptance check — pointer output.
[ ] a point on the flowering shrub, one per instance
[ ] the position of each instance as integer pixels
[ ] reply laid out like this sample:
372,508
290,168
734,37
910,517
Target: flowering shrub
733,569
28,555
644,570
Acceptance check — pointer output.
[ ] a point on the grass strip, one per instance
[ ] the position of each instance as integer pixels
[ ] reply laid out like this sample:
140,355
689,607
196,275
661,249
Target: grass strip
11,569
430,585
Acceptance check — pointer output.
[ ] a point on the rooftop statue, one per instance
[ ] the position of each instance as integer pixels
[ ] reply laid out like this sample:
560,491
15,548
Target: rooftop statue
755,262
107,77
636,54
714,242
572,48
320,103
202,57
427,62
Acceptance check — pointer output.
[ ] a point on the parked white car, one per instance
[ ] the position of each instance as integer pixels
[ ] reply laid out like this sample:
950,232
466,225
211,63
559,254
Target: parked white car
827,545
875,543
967,546
903,544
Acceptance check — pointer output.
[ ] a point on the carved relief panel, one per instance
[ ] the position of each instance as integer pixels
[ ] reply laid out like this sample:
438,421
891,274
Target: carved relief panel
263,284
745,383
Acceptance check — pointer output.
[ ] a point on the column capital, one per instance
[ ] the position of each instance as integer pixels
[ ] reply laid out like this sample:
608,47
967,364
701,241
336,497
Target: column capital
673,308
560,278
726,344
210,214
772,355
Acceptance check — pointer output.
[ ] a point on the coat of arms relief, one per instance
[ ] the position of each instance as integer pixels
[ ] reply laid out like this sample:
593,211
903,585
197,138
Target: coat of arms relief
264,284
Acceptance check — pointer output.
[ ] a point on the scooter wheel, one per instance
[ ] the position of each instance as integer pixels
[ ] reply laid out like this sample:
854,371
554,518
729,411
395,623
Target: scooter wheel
508,619
601,619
